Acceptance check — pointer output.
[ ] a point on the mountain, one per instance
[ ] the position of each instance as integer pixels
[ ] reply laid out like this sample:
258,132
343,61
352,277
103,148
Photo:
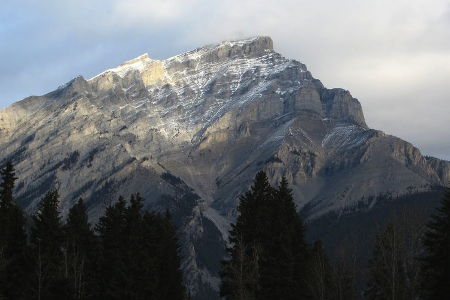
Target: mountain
190,132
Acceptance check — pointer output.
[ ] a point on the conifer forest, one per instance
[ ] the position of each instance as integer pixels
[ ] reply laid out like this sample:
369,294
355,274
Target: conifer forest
134,253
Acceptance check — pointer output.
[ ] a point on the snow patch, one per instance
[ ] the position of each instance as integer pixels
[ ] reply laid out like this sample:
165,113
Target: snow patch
139,64
344,135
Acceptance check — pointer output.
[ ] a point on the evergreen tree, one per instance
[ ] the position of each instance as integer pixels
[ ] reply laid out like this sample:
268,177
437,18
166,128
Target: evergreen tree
48,281
113,274
435,271
135,251
254,211
12,237
241,272
269,230
289,245
386,268
247,235
151,231
12,219
7,187
170,277
141,254
80,252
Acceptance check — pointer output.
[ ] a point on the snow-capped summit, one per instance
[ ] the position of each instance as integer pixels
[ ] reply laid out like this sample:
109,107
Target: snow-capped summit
139,64
190,132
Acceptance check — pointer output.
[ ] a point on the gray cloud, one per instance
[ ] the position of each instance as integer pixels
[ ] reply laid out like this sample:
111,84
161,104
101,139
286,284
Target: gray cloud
394,56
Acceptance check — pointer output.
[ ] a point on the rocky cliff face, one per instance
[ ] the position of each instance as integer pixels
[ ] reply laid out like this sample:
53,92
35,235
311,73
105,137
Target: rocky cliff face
190,132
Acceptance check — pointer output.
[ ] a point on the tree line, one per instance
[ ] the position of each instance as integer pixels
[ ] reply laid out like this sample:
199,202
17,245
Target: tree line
411,257
132,253
269,257
129,254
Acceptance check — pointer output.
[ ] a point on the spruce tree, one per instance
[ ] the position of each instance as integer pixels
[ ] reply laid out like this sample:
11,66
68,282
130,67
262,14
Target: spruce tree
6,202
12,237
248,235
240,274
289,245
7,186
80,253
141,254
48,281
170,275
113,274
268,244
151,230
134,238
254,211
12,219
435,270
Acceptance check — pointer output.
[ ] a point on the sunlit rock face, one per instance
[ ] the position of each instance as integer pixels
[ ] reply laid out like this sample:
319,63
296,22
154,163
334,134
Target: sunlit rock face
190,133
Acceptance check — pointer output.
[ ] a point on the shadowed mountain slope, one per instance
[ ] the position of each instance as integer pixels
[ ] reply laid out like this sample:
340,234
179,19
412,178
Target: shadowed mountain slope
190,133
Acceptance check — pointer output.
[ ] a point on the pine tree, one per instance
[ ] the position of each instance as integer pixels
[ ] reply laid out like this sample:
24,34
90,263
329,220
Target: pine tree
12,218
241,272
151,231
6,202
289,245
435,270
113,274
47,250
254,211
12,237
269,230
135,250
170,275
247,235
141,254
7,186
80,252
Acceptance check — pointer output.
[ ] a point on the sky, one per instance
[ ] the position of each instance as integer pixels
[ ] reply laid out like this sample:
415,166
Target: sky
392,55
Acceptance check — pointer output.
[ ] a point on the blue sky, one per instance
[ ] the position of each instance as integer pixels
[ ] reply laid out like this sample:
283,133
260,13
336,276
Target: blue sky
393,55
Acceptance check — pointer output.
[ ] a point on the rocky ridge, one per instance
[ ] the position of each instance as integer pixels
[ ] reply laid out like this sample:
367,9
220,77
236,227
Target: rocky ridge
191,131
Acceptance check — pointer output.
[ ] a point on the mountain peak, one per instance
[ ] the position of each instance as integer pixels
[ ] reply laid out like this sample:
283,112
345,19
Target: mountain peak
227,72
249,45
139,63
189,133
246,48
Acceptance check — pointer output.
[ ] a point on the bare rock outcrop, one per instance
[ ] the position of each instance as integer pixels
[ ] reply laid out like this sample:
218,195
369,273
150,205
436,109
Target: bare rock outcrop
191,131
